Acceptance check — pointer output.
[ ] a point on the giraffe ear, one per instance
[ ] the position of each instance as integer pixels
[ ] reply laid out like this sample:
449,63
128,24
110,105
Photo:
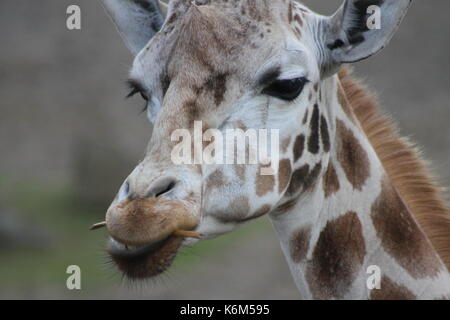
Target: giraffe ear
137,20
359,29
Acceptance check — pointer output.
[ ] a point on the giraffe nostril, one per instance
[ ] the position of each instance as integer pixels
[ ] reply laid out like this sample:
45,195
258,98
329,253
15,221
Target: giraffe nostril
161,187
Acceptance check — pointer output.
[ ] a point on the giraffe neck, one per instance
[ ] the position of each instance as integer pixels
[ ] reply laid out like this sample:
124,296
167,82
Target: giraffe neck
351,228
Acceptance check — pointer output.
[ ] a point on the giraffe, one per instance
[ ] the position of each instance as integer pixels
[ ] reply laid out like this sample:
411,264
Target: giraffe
349,193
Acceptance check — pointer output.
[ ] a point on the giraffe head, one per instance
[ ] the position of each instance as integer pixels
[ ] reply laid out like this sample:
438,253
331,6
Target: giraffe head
241,64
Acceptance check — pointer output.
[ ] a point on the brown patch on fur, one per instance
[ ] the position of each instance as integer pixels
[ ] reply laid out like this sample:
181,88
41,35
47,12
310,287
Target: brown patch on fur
290,12
311,179
237,211
352,157
190,108
305,118
285,207
285,144
337,257
299,244
264,183
217,84
389,290
297,180
215,180
298,19
172,18
261,211
299,147
330,182
324,134
256,11
241,125
284,174
400,236
304,178
298,32
313,139
404,166
239,169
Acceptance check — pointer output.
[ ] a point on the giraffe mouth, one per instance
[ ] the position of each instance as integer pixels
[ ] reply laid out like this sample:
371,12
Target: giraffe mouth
146,234
146,261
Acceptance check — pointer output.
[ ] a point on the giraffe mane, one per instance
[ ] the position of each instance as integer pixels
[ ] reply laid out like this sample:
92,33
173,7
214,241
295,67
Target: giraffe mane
403,162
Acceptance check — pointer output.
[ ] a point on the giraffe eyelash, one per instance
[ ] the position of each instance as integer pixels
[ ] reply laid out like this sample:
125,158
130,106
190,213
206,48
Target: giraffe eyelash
132,93
136,88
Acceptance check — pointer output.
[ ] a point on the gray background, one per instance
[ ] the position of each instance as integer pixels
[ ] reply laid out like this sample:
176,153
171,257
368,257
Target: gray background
64,121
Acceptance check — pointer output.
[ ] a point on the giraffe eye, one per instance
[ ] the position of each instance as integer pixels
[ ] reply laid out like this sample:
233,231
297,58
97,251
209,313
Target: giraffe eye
286,89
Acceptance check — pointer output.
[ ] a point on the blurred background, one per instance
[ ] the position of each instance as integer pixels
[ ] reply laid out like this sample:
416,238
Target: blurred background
68,139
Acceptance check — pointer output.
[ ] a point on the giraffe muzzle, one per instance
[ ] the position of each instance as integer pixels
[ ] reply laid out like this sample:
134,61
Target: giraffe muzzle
146,234
145,221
